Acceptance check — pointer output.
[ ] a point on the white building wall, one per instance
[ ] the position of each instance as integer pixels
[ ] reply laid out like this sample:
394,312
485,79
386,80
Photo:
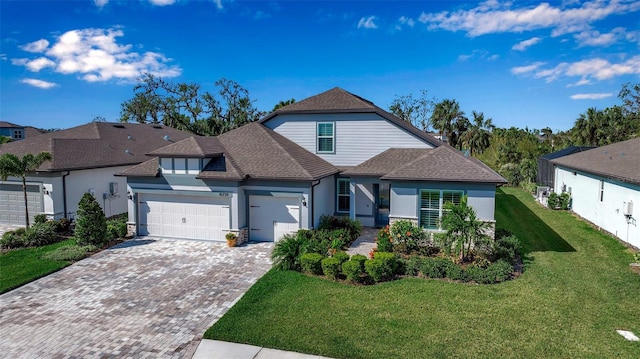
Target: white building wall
324,199
96,180
358,136
608,213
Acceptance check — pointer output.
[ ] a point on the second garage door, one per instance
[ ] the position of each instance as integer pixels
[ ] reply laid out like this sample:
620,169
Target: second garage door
272,217
12,203
192,217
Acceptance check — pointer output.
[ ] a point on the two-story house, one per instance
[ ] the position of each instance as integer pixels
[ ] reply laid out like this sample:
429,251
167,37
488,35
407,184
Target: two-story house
331,154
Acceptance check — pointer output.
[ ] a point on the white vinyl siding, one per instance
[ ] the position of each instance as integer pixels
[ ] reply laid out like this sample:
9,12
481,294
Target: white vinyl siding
343,202
326,137
358,137
432,206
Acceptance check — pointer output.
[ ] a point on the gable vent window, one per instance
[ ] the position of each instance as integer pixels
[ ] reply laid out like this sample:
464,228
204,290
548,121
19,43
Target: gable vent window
326,137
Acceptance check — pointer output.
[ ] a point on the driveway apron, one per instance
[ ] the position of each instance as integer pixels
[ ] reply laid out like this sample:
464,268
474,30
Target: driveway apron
146,297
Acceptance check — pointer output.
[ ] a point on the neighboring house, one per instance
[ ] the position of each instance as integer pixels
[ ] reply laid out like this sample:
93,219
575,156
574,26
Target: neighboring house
604,184
85,159
331,154
17,132
546,170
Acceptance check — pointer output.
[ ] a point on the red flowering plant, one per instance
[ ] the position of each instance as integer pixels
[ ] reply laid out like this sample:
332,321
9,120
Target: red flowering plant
406,235
384,240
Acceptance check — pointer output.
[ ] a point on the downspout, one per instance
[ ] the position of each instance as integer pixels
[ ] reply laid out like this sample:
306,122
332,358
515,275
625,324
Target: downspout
64,193
312,202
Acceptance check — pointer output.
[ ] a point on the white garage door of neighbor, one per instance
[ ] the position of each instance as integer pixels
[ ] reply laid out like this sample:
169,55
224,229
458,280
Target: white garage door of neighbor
272,217
192,217
12,203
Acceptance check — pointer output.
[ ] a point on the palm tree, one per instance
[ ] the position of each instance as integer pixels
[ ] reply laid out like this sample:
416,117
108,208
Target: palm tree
476,138
12,165
448,119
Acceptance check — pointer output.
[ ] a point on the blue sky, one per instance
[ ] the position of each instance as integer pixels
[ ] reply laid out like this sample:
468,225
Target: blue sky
524,64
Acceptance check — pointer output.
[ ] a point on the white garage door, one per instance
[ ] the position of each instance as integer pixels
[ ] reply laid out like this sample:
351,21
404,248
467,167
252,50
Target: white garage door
193,217
12,203
272,217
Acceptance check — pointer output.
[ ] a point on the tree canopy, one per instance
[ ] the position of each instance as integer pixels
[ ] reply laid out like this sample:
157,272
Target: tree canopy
187,107
415,110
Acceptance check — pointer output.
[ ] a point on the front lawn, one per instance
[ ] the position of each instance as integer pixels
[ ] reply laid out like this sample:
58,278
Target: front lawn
21,266
577,289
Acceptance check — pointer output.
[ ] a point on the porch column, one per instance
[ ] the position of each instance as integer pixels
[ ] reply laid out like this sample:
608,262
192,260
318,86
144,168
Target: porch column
352,199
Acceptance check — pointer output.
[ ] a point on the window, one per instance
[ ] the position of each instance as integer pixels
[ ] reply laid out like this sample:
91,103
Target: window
431,206
344,195
326,137
18,134
601,190
180,166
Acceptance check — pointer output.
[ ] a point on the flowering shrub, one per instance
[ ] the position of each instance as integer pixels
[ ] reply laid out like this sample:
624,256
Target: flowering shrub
384,240
406,236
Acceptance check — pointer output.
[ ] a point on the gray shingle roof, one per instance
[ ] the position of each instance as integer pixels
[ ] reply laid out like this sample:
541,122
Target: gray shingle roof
338,100
620,161
443,163
195,147
96,144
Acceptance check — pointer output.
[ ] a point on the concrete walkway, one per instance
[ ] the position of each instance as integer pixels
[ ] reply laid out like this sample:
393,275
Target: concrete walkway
214,349
145,298
365,243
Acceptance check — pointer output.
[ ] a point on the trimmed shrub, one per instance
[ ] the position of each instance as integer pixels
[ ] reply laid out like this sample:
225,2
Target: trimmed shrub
455,272
12,239
62,225
91,225
72,253
116,229
412,267
378,270
360,259
383,240
331,267
506,248
435,267
564,200
353,270
341,256
500,271
287,251
390,260
330,223
553,200
40,218
40,234
311,263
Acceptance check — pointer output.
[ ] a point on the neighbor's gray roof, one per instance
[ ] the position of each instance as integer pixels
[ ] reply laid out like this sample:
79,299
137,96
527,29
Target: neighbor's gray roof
565,152
251,151
442,164
6,124
338,100
96,144
620,161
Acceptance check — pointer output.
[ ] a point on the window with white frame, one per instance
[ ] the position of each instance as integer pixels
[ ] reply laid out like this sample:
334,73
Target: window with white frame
326,136
18,134
181,166
432,206
344,195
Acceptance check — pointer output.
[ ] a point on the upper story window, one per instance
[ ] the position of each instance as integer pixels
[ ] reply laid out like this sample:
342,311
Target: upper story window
181,166
432,206
18,134
326,137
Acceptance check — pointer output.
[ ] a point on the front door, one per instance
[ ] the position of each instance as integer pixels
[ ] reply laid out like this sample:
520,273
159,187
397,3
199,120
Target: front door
382,194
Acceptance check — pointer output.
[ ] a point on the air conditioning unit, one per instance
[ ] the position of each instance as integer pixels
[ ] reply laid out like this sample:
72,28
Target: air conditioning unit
627,208
113,188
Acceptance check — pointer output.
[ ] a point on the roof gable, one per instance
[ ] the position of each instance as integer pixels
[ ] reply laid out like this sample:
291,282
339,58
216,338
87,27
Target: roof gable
620,161
195,147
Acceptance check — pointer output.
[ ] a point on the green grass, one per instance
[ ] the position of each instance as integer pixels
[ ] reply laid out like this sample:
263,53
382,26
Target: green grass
21,266
576,290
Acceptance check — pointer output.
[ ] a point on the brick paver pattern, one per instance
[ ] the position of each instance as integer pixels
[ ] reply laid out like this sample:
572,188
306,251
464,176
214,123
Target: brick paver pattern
145,298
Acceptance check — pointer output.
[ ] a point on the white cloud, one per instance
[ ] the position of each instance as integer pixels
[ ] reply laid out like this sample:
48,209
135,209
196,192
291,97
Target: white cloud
367,23
480,54
524,44
95,55
495,17
591,96
36,46
595,38
405,21
526,69
162,2
587,70
218,4
100,3
39,83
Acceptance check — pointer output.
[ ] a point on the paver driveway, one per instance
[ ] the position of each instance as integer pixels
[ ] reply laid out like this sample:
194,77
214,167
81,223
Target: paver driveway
143,298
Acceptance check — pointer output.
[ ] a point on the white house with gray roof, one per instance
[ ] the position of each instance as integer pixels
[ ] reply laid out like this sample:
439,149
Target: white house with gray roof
604,184
331,154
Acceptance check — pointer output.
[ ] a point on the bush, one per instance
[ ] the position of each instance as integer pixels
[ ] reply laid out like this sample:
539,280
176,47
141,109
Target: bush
330,223
287,251
72,253
406,236
40,234
40,218
341,256
413,265
311,263
360,259
501,232
331,267
494,273
506,248
636,256
62,225
378,270
116,229
383,240
390,261
563,201
353,270
435,267
91,224
12,239
455,272
553,200
323,241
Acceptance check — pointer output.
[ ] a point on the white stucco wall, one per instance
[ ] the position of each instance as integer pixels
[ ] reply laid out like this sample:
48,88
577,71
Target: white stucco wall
96,180
358,136
608,213
324,199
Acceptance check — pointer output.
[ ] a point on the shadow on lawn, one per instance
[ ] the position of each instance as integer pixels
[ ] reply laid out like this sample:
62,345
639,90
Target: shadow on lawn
534,234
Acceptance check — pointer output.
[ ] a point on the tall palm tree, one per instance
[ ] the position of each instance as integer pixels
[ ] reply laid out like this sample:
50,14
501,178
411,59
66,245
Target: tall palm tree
12,165
447,118
476,138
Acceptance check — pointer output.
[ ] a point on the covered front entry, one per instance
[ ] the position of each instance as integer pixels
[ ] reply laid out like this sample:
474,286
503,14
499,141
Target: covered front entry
184,216
271,217
12,203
